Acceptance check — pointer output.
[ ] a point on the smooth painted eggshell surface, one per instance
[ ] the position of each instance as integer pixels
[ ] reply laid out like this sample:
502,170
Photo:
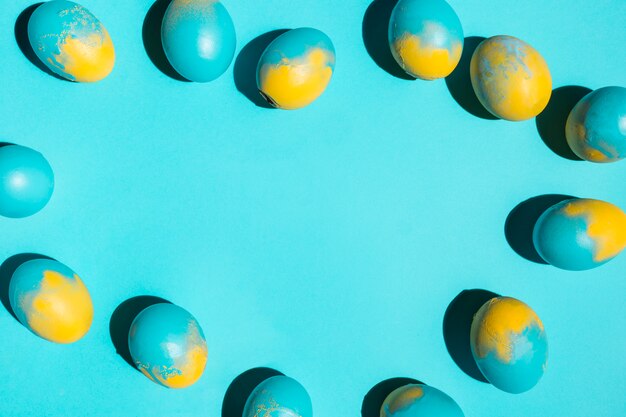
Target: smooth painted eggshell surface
419,400
198,38
510,78
596,126
295,69
167,345
71,41
426,38
580,234
51,300
279,396
509,344
26,181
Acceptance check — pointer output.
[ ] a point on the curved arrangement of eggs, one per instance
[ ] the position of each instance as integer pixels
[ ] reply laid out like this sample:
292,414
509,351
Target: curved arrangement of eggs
279,396
416,400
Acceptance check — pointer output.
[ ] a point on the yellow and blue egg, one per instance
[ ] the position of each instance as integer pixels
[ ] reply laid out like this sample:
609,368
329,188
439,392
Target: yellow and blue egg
510,78
71,41
168,346
279,396
417,400
426,38
295,68
51,300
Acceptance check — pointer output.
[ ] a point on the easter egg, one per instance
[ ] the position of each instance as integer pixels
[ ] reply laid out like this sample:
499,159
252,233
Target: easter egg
198,38
51,300
509,344
419,400
596,126
426,38
71,41
168,346
296,68
279,396
580,234
26,181
510,78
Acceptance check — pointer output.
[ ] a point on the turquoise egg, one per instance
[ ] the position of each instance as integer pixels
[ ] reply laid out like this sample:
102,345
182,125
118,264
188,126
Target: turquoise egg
168,346
279,396
295,69
198,38
419,400
71,41
426,38
580,234
509,344
26,181
596,126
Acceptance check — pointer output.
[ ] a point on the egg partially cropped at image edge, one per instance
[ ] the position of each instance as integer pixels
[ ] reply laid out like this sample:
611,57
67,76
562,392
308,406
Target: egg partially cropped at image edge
295,68
71,41
419,400
168,346
279,396
51,300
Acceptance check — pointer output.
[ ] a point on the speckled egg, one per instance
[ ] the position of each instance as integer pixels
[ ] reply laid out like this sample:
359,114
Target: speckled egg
71,41
168,346
51,300
596,126
296,68
509,344
198,38
426,38
510,78
419,400
26,181
580,234
279,396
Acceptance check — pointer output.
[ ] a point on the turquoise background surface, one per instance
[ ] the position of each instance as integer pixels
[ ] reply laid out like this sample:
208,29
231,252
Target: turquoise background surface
327,242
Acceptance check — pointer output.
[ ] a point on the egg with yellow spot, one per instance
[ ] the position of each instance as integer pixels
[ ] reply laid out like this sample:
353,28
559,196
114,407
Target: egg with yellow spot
295,68
168,346
71,41
51,300
426,38
279,396
510,78
419,400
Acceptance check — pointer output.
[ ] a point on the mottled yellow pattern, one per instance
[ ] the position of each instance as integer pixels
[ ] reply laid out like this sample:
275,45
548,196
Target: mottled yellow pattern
400,399
267,410
87,59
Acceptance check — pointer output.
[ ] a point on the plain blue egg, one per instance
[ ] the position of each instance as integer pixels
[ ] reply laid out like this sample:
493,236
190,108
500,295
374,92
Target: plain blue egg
279,396
419,400
26,181
198,38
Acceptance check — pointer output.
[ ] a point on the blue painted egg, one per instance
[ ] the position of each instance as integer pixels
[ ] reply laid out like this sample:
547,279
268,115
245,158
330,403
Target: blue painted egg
580,234
51,300
296,68
509,344
198,38
426,38
71,41
279,396
26,181
596,126
168,346
419,400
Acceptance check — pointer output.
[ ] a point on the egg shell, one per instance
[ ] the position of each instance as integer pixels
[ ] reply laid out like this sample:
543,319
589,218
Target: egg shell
580,233
26,181
509,344
596,126
510,78
426,38
168,346
71,41
295,68
198,38
279,396
51,300
419,400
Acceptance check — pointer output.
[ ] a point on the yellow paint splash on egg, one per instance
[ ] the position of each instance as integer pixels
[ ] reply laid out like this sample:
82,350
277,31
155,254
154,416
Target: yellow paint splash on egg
87,59
402,398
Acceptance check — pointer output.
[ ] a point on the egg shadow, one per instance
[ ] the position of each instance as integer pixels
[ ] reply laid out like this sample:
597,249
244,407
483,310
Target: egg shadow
240,389
520,223
551,121
7,269
373,400
459,82
123,317
245,68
